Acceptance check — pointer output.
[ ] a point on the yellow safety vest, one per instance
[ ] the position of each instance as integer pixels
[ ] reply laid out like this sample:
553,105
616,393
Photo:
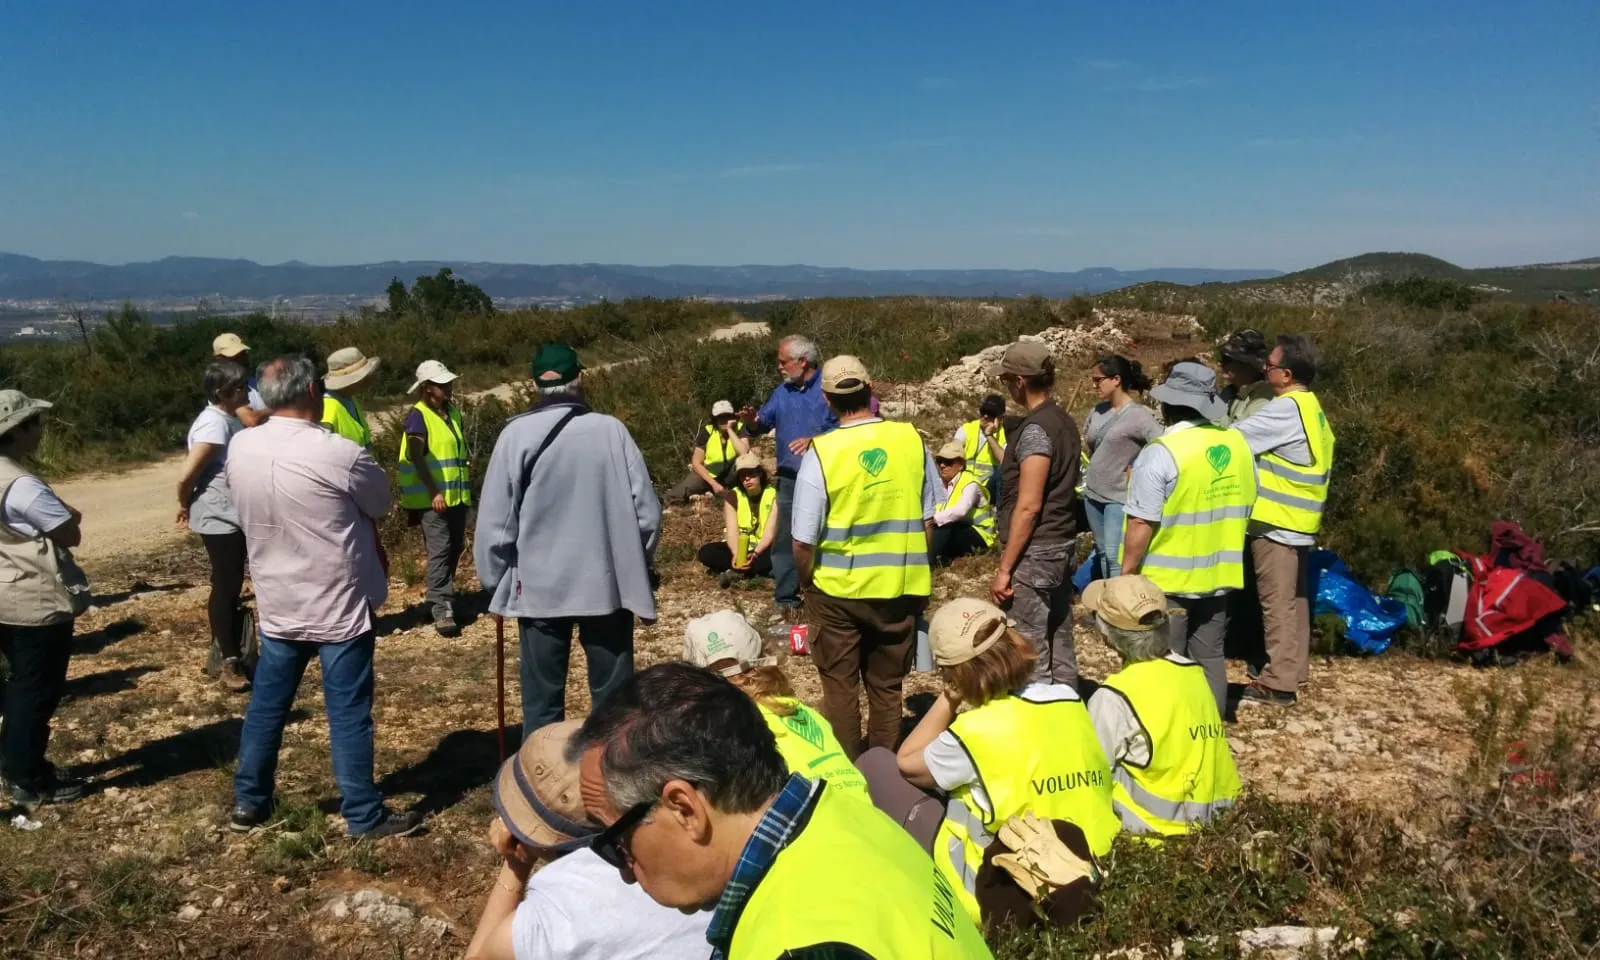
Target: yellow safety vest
753,525
719,450
447,460
853,876
1191,776
982,516
1038,756
341,420
980,459
874,545
1199,548
1293,494
810,749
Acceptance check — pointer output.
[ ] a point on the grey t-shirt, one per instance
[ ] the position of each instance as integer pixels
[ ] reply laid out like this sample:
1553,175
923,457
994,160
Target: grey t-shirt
1114,438
1033,441
211,508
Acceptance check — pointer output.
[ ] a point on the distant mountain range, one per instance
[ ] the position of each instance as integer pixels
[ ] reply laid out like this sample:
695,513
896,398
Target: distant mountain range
28,278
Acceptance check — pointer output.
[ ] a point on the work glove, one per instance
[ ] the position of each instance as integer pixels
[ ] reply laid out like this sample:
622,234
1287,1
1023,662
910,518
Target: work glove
1039,862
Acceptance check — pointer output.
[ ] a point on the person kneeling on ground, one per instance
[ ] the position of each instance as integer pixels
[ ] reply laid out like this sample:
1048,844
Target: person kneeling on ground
1017,747
726,643
1156,718
699,809
712,463
576,906
963,524
747,512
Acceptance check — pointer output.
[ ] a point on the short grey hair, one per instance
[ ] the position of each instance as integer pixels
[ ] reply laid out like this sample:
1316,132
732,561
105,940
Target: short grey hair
804,346
676,721
1134,646
286,381
571,388
223,377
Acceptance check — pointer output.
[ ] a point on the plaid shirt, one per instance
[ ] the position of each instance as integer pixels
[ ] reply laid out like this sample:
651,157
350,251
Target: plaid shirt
780,825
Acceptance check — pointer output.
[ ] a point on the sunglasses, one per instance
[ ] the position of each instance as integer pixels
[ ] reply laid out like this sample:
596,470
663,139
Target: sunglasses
611,844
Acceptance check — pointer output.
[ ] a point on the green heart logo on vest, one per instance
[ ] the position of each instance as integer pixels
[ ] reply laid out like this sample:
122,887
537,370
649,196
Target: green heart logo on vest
802,726
1219,457
873,461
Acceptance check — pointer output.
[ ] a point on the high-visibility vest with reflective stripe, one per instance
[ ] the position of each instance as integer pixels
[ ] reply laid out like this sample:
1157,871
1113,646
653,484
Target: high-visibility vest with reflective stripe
982,516
1292,495
719,450
874,545
855,877
809,747
1190,777
1083,472
349,422
1199,547
1032,756
447,460
980,459
753,524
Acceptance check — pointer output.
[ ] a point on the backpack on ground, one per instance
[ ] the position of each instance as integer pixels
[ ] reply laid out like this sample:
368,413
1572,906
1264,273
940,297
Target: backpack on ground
1445,584
1405,585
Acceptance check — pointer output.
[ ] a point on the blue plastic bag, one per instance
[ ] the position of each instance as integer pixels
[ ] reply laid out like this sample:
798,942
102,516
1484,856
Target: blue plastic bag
1369,621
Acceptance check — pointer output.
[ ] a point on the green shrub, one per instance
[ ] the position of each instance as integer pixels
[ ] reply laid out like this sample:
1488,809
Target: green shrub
1425,293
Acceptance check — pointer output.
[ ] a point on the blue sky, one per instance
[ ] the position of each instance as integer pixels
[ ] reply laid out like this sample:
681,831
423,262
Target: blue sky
884,134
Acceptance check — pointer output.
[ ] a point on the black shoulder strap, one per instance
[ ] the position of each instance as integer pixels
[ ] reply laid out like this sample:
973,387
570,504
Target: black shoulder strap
549,438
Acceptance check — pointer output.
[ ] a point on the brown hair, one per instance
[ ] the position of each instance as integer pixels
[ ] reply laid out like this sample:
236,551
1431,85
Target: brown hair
764,685
1041,382
995,672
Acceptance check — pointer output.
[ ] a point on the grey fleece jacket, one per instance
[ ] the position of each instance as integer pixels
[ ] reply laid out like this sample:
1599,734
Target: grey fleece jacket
579,541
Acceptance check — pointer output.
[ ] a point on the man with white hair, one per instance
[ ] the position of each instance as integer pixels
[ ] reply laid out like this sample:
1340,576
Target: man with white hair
567,531
717,444
797,411
1156,718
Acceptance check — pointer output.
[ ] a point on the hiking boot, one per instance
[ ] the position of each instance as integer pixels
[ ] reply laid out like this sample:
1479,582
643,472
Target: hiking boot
54,790
728,578
393,825
232,677
245,818
444,621
1253,670
1255,693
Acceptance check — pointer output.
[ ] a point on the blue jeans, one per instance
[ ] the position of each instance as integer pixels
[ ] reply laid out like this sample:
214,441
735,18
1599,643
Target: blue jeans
786,579
1105,522
347,693
546,646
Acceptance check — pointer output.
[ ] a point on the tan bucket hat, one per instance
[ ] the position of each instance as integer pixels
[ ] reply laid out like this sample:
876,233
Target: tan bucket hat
347,367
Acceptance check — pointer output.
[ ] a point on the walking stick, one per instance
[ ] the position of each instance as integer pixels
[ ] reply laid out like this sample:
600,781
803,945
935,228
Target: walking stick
500,683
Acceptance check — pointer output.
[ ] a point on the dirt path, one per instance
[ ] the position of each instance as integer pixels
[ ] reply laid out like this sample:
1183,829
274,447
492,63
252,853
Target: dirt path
133,513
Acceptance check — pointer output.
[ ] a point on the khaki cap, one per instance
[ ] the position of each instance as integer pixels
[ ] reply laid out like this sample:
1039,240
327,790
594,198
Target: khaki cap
723,635
1130,602
1025,358
536,792
747,461
963,628
844,374
952,450
228,345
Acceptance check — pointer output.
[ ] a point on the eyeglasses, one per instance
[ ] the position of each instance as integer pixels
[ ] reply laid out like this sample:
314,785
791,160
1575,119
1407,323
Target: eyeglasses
611,845
1099,380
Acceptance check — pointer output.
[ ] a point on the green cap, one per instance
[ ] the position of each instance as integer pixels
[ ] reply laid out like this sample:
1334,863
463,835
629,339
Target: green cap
555,364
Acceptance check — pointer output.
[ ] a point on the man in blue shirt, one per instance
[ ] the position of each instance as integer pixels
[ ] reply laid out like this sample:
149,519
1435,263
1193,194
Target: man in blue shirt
798,412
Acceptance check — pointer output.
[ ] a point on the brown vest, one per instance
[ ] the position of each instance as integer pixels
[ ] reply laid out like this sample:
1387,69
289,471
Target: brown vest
39,582
1056,520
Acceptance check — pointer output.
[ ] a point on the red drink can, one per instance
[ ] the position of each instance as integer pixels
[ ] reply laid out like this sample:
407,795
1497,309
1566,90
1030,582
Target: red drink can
798,639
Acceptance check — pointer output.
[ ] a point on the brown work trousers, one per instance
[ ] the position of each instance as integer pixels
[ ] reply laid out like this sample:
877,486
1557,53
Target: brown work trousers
1285,612
856,642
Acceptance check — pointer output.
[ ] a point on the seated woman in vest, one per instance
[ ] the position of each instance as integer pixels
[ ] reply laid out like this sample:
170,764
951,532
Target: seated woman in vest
963,523
1156,718
997,745
726,643
748,515
719,442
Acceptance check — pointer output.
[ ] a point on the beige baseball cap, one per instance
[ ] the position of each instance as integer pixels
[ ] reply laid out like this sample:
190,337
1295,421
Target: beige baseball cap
228,345
964,628
844,374
1130,602
724,635
747,461
1025,358
536,792
431,371
952,450
722,408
